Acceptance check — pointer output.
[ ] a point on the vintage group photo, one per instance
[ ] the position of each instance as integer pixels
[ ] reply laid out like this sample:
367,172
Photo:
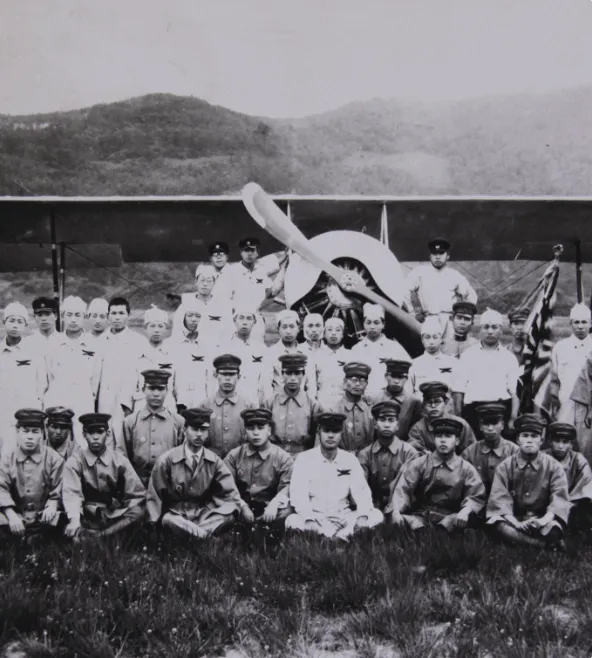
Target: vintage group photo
296,353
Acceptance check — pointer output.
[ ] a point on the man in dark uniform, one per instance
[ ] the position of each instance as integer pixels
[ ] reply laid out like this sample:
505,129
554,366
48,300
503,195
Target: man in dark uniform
455,342
517,319
60,430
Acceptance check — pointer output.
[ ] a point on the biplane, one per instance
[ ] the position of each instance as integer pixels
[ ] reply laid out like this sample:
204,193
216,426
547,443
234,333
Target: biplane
370,235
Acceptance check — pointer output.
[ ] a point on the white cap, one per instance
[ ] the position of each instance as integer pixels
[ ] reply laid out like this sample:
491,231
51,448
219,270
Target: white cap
580,312
492,316
312,317
287,315
431,325
334,322
373,311
206,270
74,304
98,305
244,308
16,309
155,314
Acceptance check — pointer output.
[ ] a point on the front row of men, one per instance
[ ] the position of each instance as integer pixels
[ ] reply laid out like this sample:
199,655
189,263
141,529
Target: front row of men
523,494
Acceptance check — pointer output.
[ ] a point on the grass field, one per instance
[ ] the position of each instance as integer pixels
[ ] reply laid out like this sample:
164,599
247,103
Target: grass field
380,596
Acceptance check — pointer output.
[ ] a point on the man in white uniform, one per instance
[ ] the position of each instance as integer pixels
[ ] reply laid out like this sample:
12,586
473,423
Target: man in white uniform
432,365
325,481
436,285
329,362
23,373
312,328
46,337
567,359
219,252
375,348
97,313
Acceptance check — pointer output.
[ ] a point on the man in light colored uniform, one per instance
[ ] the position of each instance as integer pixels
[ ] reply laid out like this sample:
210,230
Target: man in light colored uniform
567,359
433,364
98,315
23,373
219,252
325,481
437,286
329,362
312,328
375,348
45,311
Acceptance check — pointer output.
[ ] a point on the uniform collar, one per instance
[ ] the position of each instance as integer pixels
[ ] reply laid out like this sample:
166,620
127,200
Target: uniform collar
10,348
380,341
220,399
450,464
264,454
400,397
497,451
189,455
497,348
91,459
145,413
577,343
298,398
338,457
21,456
394,446
523,463
350,404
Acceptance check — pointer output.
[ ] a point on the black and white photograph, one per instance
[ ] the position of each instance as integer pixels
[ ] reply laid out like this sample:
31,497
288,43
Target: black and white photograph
295,323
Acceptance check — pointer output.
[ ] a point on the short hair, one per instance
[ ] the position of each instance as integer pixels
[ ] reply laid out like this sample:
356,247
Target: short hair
119,301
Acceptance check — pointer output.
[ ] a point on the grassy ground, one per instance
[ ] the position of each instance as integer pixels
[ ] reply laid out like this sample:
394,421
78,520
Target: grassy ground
379,596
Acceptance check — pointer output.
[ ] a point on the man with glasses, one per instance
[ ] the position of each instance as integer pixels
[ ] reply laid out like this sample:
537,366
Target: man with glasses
486,372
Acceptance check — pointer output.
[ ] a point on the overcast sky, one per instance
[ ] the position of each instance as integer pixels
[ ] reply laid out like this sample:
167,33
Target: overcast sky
287,57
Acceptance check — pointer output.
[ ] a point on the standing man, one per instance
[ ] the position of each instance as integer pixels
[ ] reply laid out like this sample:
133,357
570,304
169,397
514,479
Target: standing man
422,435
97,312
30,479
191,490
45,311
312,328
152,428
437,286
23,373
219,252
433,364
375,348
529,501
383,459
119,357
567,359
60,431
101,493
486,372
440,487
262,473
292,409
325,482
517,320
410,411
486,455
271,377
458,340
329,362
226,427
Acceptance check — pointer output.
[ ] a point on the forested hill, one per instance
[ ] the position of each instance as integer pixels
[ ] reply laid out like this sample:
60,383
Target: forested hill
164,144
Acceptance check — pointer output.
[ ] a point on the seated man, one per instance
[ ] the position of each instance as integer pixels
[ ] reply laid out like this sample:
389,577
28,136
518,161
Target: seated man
529,500
325,482
397,373
262,473
435,399
487,454
30,479
292,409
383,459
191,490
439,488
60,430
561,437
153,428
101,493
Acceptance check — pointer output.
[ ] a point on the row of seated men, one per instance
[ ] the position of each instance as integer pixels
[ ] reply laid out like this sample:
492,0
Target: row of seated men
523,494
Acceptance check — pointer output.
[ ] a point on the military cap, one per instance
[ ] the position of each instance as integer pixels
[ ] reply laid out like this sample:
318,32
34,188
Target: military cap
561,431
397,368
219,246
386,408
490,411
44,304
94,420
438,246
227,362
519,315
256,416
60,416
530,423
293,361
156,377
467,308
197,417
331,421
249,243
447,426
30,417
356,369
431,390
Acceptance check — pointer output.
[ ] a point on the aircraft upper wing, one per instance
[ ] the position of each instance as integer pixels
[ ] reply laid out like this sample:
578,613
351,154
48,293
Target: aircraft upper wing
179,229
